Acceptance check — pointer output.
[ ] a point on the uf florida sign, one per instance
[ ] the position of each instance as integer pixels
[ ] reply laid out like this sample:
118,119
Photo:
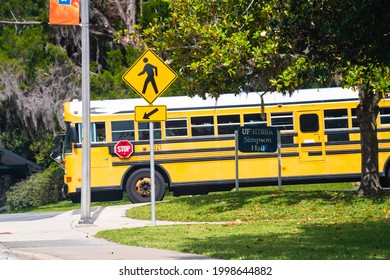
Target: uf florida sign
257,139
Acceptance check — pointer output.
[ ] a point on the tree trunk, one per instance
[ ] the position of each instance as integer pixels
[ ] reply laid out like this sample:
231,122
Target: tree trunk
128,13
367,112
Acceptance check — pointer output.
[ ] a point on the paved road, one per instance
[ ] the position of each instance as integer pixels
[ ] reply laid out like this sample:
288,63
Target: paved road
27,216
60,236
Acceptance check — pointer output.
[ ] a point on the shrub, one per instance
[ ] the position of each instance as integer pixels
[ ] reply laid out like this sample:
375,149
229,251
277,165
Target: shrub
39,189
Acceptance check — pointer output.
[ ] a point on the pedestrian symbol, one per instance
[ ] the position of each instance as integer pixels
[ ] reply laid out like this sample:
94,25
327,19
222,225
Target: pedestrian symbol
149,76
151,71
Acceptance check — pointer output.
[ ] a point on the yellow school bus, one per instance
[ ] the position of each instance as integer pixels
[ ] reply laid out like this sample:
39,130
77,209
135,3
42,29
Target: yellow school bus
194,149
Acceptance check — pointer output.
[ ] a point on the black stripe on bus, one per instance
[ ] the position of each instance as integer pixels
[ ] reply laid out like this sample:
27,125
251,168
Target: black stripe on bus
266,181
315,153
241,157
227,149
227,138
203,159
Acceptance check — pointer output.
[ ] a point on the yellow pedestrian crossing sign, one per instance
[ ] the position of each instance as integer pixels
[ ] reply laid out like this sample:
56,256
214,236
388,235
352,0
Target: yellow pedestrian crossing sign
149,76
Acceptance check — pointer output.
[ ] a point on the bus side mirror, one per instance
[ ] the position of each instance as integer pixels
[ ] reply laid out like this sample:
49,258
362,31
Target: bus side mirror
56,153
58,140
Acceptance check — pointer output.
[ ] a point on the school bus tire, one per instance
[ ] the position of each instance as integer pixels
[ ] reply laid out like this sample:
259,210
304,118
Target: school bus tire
75,198
138,186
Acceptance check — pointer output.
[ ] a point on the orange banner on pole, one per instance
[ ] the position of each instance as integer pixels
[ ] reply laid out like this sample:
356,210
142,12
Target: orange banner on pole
64,12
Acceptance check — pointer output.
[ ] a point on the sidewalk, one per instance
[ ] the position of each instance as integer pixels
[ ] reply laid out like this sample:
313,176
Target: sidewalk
62,237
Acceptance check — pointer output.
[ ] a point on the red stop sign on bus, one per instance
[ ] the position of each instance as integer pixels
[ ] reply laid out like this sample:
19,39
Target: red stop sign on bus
123,148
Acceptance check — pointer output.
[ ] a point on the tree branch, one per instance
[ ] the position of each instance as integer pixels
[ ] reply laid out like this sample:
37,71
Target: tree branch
20,22
122,14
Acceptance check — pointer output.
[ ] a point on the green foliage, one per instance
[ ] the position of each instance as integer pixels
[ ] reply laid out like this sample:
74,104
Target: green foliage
115,62
32,147
27,46
371,76
41,149
23,9
53,55
107,86
17,141
153,9
349,38
23,144
220,45
131,55
40,189
292,76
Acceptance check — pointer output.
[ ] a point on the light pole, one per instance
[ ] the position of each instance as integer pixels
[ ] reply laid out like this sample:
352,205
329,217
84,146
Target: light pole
86,123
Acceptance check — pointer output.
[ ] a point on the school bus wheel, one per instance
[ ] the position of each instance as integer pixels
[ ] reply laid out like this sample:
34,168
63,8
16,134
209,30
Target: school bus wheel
138,186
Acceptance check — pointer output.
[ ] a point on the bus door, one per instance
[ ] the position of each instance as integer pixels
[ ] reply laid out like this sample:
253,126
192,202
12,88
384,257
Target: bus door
311,145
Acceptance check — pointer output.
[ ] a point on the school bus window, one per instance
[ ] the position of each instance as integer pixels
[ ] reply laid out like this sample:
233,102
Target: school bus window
100,135
255,119
122,130
336,125
98,132
336,119
69,138
143,130
355,123
309,123
282,121
176,128
228,124
202,126
385,115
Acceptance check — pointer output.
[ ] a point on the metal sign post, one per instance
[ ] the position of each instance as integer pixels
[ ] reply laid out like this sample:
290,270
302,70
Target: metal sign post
279,161
236,159
152,174
86,142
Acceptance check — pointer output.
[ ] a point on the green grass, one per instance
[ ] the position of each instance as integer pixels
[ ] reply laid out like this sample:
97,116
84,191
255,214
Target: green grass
300,222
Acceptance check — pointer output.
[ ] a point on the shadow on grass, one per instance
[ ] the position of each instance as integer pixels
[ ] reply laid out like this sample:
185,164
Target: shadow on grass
347,241
236,201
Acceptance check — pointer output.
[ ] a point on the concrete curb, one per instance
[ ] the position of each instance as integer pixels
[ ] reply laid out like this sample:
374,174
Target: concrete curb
6,254
21,255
